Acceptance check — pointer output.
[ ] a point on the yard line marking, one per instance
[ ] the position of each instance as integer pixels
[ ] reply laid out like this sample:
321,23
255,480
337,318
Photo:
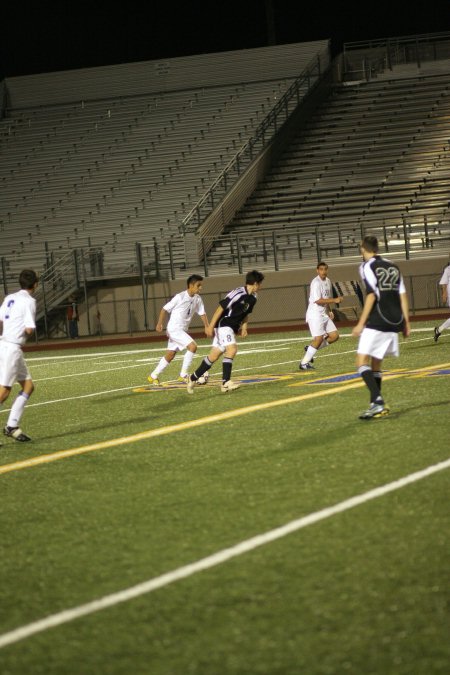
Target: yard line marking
191,424
163,431
92,355
218,558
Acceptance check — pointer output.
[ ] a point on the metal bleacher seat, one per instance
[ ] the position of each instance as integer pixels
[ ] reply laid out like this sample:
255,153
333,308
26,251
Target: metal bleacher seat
375,148
109,168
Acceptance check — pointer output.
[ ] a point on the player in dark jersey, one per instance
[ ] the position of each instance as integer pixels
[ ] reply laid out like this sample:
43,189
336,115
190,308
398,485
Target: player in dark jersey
230,318
384,315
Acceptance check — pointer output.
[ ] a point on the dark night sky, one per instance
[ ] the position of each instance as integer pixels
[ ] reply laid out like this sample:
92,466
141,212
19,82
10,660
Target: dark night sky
39,36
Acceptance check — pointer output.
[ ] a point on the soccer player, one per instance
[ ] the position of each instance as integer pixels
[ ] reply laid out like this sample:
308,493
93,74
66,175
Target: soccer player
230,317
319,316
18,317
181,309
384,315
445,290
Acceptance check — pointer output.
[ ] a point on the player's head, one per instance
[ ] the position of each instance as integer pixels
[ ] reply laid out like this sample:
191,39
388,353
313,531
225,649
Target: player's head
254,280
194,283
322,269
28,279
369,246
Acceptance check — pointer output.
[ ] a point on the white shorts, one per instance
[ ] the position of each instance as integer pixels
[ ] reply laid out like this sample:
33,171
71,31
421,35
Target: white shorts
12,364
378,344
178,340
320,324
223,337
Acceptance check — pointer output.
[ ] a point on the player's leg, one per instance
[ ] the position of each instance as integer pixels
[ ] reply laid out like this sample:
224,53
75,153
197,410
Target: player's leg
4,393
12,427
317,330
187,360
376,369
215,353
165,360
227,366
333,336
6,378
439,329
372,347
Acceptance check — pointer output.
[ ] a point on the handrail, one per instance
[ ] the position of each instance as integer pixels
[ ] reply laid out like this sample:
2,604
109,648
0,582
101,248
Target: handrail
245,154
368,58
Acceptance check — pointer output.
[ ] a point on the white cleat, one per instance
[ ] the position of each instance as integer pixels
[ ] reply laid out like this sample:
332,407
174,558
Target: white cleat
229,386
190,385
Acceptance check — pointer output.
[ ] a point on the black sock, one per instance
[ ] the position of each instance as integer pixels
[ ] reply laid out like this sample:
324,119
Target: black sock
371,383
377,375
227,365
201,370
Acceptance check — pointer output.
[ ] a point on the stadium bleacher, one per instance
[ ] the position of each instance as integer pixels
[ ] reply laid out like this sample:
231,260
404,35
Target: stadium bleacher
123,156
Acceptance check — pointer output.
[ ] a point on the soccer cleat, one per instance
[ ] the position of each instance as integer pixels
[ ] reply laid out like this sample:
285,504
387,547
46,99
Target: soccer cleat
190,385
16,433
229,386
437,334
374,410
305,350
306,366
154,381
183,379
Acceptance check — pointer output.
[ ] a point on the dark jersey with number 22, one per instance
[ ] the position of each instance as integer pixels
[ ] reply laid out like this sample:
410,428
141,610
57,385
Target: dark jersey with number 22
237,305
384,279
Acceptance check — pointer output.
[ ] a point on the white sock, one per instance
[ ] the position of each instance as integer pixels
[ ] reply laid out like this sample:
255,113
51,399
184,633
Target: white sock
159,368
445,325
309,354
186,366
17,409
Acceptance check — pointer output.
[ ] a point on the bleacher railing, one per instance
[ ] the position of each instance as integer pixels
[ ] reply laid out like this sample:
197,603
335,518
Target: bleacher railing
366,59
261,138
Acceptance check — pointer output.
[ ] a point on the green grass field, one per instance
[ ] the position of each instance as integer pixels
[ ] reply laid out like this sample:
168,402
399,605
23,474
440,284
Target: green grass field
121,487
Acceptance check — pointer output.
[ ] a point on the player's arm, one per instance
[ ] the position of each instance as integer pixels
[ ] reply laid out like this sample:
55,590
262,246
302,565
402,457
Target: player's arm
29,322
244,328
209,330
204,318
329,301
405,311
368,306
161,319
444,293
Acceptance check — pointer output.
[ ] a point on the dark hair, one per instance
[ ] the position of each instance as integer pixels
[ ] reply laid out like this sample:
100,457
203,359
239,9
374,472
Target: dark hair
370,243
193,279
321,263
254,277
27,279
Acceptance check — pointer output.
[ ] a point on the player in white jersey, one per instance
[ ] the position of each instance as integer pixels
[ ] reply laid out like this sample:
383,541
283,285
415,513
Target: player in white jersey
18,319
319,316
181,308
445,290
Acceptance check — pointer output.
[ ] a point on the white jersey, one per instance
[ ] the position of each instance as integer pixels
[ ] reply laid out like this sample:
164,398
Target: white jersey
18,312
182,308
445,281
318,289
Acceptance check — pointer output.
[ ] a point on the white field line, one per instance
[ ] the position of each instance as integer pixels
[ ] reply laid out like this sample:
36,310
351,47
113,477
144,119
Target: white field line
218,558
161,348
112,391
